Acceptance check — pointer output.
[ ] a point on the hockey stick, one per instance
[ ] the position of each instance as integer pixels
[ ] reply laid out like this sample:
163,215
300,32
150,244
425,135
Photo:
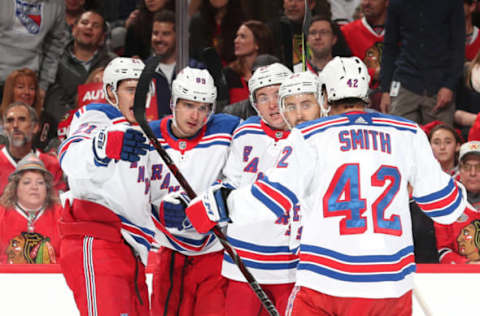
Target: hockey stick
426,311
307,21
139,112
214,66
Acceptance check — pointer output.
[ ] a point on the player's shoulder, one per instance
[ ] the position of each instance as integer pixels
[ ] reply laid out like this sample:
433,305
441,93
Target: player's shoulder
156,126
251,125
222,123
357,119
392,121
310,128
99,110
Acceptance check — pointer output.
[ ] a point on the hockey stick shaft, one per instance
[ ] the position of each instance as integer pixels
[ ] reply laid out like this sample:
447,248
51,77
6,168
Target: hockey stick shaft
307,21
139,112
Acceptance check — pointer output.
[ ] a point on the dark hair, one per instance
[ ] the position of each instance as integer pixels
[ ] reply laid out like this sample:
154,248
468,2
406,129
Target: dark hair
263,38
104,23
323,17
166,16
446,127
139,34
234,16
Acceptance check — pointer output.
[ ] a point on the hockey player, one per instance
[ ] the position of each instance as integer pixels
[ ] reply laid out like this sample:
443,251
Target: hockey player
106,227
187,280
264,249
299,99
356,251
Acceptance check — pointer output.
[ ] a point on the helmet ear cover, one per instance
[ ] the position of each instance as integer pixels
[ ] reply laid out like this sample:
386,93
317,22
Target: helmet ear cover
121,68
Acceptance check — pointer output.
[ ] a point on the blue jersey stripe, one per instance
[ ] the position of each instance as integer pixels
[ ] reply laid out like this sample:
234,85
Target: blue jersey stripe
380,277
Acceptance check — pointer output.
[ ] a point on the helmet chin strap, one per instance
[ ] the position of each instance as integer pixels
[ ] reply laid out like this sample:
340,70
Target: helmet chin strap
115,104
323,111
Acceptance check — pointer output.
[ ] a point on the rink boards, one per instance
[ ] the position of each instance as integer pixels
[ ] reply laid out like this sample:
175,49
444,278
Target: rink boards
445,290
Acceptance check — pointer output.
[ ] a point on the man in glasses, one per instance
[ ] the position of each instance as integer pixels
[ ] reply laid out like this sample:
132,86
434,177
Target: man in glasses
455,242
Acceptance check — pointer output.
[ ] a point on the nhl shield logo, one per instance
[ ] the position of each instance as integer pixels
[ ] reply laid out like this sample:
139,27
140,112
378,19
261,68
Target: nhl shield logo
182,145
29,15
278,134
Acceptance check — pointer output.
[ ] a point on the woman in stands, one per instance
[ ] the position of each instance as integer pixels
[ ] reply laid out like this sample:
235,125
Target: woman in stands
29,211
21,85
445,142
253,38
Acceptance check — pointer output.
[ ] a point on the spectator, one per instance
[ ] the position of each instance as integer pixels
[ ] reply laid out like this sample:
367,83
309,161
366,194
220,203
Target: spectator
22,86
20,122
244,108
28,215
472,40
33,35
164,45
365,39
418,77
253,38
73,10
459,242
445,142
215,26
85,52
96,75
320,39
287,32
139,27
468,99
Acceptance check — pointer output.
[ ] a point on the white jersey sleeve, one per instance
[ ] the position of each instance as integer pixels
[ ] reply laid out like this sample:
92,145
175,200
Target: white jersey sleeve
435,192
122,187
88,121
281,188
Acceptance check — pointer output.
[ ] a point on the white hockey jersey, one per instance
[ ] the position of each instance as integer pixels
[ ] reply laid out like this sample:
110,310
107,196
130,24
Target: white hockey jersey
118,185
200,159
354,170
263,248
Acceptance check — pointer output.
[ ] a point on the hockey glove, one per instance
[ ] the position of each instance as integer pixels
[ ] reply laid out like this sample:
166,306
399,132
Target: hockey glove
171,211
209,208
120,143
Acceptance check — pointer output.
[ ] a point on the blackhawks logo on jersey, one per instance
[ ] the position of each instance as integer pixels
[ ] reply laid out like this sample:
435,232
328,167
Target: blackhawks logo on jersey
469,241
30,248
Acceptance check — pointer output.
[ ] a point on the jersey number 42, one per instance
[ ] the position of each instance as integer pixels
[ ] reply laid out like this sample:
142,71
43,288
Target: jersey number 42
344,198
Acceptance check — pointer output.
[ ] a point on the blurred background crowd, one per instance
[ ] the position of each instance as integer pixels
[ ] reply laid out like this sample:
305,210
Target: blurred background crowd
423,58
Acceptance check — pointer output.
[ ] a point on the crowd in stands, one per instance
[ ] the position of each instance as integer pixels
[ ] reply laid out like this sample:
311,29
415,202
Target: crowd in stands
423,58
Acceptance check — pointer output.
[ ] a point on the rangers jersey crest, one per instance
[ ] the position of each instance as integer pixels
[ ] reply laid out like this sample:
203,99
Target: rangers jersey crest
28,16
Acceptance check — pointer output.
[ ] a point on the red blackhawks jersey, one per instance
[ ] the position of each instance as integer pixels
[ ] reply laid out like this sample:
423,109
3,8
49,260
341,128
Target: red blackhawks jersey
456,242
473,45
8,165
353,170
40,227
263,248
200,159
364,43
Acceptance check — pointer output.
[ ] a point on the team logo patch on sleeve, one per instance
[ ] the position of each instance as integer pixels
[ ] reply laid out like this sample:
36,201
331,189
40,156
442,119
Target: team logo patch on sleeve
28,17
